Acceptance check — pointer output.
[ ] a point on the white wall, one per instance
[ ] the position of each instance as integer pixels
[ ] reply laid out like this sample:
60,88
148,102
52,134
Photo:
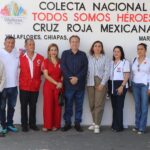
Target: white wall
107,116
129,42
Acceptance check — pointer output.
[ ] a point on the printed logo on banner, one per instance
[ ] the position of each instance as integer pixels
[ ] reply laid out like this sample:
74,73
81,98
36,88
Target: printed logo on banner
13,13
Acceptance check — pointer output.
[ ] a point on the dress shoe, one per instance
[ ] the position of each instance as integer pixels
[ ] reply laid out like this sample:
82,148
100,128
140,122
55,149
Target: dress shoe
25,129
78,128
35,128
66,128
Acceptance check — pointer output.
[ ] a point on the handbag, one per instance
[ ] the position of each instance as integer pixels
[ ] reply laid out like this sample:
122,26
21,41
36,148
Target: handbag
61,98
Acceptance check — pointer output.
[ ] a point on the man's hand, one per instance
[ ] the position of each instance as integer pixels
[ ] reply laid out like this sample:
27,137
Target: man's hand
99,87
73,80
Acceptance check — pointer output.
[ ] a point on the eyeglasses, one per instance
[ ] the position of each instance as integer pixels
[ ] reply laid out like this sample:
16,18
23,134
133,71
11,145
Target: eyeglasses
138,66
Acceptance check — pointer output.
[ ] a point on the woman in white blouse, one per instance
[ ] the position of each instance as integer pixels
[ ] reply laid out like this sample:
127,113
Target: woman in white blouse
118,84
98,75
141,87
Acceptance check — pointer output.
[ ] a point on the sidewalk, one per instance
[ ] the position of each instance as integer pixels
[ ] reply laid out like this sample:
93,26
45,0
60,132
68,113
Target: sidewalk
72,140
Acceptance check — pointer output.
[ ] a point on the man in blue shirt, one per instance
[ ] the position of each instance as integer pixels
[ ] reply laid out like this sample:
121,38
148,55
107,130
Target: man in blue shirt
74,65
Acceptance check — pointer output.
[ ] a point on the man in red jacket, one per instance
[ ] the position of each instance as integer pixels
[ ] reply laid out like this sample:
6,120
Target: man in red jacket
29,84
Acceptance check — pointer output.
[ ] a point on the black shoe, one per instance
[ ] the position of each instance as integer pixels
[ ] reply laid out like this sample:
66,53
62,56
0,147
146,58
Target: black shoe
25,129
78,128
35,128
114,130
119,130
66,128
2,134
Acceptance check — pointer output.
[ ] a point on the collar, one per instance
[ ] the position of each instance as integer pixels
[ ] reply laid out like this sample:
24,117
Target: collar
9,52
146,59
98,57
73,53
32,57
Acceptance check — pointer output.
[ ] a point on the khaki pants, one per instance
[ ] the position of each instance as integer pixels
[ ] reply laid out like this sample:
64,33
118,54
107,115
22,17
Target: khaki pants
96,101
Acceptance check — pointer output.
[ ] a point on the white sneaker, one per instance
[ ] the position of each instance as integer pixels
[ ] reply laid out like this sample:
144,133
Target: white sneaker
92,127
96,129
140,132
135,130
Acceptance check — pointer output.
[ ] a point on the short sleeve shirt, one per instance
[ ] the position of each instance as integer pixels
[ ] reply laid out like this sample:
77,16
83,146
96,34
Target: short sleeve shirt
118,70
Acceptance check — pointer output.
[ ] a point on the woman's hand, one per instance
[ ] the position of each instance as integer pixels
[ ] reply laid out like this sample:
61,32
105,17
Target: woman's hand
99,87
120,90
59,85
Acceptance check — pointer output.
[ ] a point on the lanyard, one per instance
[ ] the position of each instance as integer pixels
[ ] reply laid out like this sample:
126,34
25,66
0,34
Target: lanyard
114,67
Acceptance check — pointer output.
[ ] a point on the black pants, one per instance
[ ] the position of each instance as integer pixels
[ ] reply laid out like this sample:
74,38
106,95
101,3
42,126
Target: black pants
28,99
117,102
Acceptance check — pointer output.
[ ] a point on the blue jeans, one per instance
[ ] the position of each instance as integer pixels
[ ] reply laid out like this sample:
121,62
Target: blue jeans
70,96
0,105
141,105
9,97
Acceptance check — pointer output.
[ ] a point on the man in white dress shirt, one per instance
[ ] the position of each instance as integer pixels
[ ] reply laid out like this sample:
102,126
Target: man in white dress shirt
10,59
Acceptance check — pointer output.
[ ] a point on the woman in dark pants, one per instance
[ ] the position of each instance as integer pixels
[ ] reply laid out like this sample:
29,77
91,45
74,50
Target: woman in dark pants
118,84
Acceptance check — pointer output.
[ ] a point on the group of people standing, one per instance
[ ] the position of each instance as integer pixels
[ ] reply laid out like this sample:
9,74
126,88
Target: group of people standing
69,76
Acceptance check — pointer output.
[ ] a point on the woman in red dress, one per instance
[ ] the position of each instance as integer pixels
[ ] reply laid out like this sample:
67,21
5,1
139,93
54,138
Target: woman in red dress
51,90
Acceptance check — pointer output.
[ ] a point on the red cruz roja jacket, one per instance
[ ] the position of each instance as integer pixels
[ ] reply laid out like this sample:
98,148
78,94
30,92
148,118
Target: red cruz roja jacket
25,81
